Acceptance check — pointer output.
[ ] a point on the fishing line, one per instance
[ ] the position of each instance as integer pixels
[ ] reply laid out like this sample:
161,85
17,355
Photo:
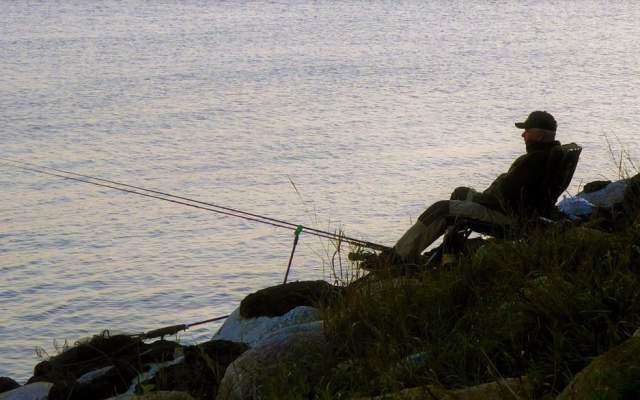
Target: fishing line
154,191
186,202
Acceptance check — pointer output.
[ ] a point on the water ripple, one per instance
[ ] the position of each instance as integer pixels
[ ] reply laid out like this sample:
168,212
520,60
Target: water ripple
373,110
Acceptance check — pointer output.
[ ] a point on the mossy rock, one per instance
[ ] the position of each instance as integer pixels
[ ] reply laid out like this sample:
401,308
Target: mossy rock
613,375
7,384
165,395
202,369
287,364
278,300
511,388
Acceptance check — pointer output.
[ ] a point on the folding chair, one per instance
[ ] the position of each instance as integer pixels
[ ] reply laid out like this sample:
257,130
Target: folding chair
560,168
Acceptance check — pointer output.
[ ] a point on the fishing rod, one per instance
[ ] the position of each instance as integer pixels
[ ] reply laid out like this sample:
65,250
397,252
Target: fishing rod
133,189
173,329
158,192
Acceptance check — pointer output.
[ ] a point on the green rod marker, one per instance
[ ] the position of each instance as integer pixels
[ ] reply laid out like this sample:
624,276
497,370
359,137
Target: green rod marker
296,236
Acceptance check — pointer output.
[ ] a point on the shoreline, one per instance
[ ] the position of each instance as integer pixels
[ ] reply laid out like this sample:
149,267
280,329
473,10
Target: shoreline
546,317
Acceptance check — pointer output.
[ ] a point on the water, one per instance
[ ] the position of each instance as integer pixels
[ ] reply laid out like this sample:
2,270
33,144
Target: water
373,109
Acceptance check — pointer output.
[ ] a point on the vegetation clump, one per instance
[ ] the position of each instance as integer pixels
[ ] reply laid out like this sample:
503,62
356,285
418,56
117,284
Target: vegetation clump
542,307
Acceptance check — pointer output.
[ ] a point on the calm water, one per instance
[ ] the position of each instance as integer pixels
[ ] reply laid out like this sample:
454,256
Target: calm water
372,109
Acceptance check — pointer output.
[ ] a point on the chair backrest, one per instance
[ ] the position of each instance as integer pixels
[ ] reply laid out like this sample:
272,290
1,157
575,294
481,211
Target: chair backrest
561,166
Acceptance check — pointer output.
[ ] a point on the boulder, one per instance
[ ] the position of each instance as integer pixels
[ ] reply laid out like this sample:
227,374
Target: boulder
101,367
7,384
612,375
511,388
285,364
85,357
278,300
252,330
595,186
145,376
165,395
202,369
606,194
93,375
223,352
618,202
104,383
631,202
32,391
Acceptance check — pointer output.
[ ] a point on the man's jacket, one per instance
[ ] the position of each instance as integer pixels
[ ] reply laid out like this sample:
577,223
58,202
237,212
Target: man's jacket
522,191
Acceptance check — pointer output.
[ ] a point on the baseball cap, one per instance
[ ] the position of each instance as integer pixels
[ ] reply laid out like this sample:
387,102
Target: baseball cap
539,119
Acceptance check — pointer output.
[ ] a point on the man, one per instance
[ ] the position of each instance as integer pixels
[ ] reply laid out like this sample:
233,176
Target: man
516,195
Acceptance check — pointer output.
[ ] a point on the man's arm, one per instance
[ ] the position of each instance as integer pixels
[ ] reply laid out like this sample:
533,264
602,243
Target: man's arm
518,186
469,194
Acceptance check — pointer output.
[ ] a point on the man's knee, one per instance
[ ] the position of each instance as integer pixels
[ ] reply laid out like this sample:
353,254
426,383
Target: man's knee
460,193
439,209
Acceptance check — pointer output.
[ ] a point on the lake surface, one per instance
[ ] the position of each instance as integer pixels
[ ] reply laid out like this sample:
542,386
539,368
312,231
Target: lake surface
334,114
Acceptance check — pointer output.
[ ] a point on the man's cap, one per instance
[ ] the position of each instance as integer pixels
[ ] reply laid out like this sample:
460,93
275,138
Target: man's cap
539,119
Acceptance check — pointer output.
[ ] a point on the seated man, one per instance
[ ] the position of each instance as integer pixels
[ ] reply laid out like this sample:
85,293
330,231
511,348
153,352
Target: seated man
516,195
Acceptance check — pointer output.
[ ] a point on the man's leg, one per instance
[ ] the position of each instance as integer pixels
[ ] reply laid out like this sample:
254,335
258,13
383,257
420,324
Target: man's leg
429,227
433,223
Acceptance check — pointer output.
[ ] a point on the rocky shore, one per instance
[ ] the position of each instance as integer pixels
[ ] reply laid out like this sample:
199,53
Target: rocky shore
271,327
553,316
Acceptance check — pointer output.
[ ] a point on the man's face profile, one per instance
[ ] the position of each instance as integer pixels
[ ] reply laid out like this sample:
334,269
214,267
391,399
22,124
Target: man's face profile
533,135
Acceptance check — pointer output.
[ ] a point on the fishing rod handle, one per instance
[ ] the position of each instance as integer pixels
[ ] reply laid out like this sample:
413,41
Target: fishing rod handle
167,330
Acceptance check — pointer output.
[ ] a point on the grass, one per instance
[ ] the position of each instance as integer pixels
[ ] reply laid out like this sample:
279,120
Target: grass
542,307
621,157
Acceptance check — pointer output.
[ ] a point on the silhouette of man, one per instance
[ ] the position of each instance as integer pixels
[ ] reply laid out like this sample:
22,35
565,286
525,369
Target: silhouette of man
518,194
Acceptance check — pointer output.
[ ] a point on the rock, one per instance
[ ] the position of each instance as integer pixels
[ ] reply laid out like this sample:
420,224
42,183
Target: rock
158,351
278,300
100,352
202,369
606,196
145,376
631,201
92,375
223,352
86,357
612,375
100,367
300,353
251,331
104,383
33,391
512,388
595,186
165,395
7,384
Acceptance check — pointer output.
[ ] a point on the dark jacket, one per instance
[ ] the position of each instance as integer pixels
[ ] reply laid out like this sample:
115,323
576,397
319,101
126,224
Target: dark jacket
522,191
